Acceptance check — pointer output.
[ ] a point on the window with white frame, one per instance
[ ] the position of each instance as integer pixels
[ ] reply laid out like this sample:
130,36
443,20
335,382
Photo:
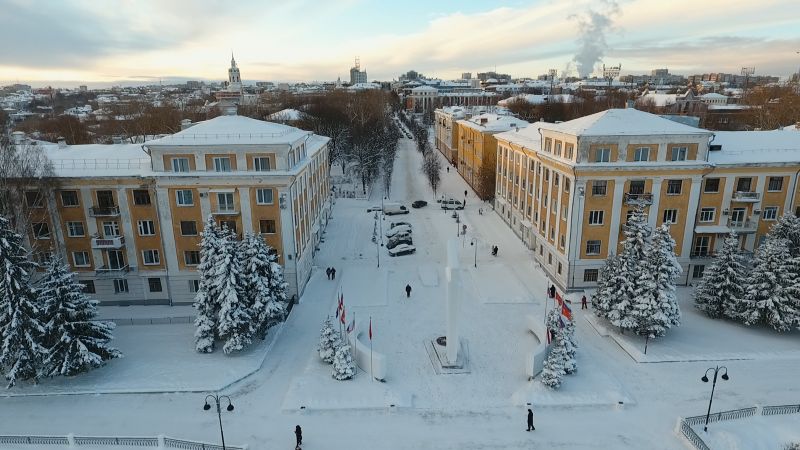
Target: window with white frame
194,286
775,184
191,257
674,187
711,185
69,199
599,187
120,286
75,229
593,247
590,275
770,213
188,228
151,257
596,217
222,164
264,196
41,230
602,154
261,164
180,164
708,214
678,153
225,202
110,229
670,216
81,259
184,197
641,154
147,228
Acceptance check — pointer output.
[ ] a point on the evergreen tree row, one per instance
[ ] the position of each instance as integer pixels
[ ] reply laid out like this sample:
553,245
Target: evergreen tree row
335,351
47,329
765,291
636,289
560,359
242,292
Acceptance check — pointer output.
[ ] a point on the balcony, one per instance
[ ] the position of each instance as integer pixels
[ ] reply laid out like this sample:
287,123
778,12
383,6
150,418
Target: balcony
104,211
702,254
639,199
113,271
743,226
108,243
746,197
225,212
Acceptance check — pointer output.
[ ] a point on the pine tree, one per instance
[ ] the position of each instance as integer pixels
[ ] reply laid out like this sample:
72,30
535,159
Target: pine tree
630,274
75,342
262,284
601,301
722,286
567,334
343,367
329,341
788,227
206,300
234,323
665,269
771,294
557,357
20,327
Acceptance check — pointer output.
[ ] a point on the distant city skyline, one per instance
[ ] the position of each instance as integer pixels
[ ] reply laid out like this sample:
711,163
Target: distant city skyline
119,42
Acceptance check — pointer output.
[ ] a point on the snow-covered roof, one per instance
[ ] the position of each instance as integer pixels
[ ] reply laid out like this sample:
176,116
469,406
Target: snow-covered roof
493,123
363,86
108,160
527,137
713,95
659,100
232,130
539,99
623,122
776,146
424,89
795,127
288,114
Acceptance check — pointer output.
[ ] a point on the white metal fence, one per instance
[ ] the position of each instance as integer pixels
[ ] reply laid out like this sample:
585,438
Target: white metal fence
685,425
87,441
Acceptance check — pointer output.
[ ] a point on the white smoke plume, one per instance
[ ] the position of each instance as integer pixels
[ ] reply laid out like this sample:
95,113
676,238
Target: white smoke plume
593,26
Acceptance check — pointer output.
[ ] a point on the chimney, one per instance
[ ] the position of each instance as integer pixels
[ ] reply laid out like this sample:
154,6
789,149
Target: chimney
117,139
18,137
185,123
62,143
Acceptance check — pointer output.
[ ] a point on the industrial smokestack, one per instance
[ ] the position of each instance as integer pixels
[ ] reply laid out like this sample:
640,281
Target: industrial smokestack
592,28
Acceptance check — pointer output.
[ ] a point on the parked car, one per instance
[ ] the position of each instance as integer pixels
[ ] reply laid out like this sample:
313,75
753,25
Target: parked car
402,249
394,208
398,230
399,239
452,204
419,204
374,208
397,224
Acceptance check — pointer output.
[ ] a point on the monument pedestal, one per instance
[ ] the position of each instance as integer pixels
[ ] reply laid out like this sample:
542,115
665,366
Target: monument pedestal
437,352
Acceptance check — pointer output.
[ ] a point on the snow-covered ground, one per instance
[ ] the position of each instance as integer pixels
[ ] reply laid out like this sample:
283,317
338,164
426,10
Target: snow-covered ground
752,433
611,402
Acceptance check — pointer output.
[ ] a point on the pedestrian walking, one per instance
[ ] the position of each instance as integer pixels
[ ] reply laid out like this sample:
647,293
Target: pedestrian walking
552,291
530,420
465,194
328,272
298,434
448,169
408,290
333,273
583,303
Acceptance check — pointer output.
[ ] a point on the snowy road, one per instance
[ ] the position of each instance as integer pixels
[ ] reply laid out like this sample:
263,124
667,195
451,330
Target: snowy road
473,411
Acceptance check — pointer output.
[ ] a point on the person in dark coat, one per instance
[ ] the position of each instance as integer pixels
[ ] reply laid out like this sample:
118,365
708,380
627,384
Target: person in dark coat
552,291
333,273
328,272
530,420
465,194
583,303
448,169
408,290
298,434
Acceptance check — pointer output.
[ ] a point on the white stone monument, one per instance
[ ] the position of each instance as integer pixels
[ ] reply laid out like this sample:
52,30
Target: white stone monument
453,271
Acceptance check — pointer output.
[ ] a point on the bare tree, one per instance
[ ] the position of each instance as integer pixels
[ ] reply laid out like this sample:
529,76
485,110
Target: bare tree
26,181
432,168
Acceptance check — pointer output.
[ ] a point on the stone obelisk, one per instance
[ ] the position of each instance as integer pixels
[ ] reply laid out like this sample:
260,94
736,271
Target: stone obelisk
453,271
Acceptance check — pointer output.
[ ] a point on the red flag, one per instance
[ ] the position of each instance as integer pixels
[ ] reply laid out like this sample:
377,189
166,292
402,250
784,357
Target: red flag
559,299
566,311
370,328
341,318
352,326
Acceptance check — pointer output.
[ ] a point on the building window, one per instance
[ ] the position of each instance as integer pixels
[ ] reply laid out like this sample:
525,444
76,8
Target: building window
775,184
547,144
34,199
556,179
180,164
81,259
225,202
110,229
266,226
88,287
155,284
678,153
264,196
698,270
593,247
636,187
184,197
546,174
596,217
568,152
147,228
194,286
559,268
188,228
562,241
552,233
674,187
141,197
599,188
711,185
707,214
151,257
641,154
42,258
602,155
549,258
41,230
261,164
75,229
770,213
222,164
229,224
743,185
567,184
563,213
590,275
670,216
558,148
191,257
120,286
69,199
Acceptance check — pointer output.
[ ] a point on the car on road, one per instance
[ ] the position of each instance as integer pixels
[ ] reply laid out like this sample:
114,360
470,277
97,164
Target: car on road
399,239
452,204
397,224
419,204
394,208
374,208
402,249
398,230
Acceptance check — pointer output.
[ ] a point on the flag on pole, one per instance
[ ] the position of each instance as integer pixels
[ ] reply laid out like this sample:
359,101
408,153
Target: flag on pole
559,299
370,328
549,337
341,318
351,326
566,311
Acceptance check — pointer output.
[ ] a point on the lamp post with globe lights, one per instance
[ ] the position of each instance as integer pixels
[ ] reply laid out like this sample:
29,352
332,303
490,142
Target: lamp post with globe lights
713,385
229,408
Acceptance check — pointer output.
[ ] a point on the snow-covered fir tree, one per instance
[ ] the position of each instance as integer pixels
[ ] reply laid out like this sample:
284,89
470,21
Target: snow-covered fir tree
262,284
329,341
722,285
553,370
605,294
75,342
21,330
567,334
788,227
206,301
773,288
628,276
343,367
234,323
666,269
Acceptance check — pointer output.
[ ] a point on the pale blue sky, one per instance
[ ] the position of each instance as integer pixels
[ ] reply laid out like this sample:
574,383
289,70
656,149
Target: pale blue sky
63,41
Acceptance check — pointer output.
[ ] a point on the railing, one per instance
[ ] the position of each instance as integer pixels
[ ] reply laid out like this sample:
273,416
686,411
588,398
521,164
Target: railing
743,196
639,199
782,409
112,242
226,212
685,425
742,225
81,164
104,211
693,438
112,270
77,441
702,254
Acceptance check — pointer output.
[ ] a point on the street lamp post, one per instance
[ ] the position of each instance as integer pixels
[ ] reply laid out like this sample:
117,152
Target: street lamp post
713,385
229,408
474,242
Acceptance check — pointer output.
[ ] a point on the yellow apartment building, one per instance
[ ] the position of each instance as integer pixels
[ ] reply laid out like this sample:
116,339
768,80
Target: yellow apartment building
566,189
128,217
446,131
